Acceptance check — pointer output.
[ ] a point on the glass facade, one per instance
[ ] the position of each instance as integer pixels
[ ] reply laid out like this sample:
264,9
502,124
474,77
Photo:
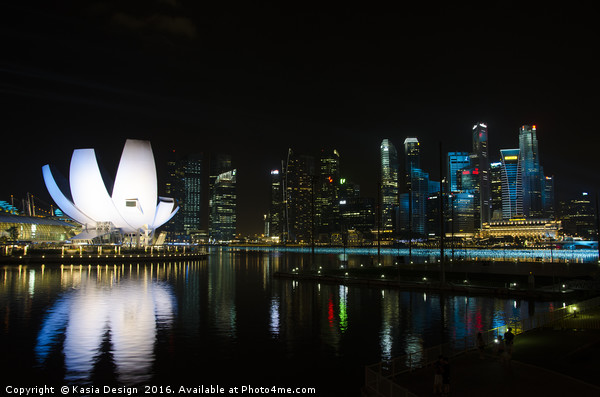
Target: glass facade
496,183
222,206
389,184
512,192
276,207
481,162
34,229
532,176
457,161
299,193
185,184
327,210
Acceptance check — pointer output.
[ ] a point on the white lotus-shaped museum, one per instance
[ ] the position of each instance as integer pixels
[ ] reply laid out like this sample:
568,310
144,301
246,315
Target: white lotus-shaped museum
133,208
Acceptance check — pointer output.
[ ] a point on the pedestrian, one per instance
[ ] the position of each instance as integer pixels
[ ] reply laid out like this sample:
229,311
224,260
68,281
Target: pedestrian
509,338
480,345
438,367
446,376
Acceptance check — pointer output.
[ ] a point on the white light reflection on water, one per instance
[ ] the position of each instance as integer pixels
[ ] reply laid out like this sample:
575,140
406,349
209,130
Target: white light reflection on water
274,309
126,314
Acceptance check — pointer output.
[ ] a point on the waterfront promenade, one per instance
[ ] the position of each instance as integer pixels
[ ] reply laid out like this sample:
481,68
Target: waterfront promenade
550,361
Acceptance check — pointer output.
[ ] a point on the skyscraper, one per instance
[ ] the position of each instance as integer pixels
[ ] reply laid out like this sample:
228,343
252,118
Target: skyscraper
327,208
184,183
457,161
222,206
531,172
419,193
578,217
389,184
548,197
222,201
412,157
417,183
496,184
299,198
512,192
275,216
481,163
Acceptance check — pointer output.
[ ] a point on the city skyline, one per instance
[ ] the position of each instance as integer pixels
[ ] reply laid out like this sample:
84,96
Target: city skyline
256,86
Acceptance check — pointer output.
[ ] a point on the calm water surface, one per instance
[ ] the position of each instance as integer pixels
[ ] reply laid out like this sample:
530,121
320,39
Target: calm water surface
223,320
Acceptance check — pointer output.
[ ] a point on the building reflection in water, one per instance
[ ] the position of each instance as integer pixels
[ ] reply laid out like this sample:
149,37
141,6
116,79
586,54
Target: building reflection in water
221,295
103,307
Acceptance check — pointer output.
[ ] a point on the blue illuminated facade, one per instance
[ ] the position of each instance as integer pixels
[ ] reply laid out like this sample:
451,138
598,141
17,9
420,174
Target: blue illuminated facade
531,172
512,193
457,161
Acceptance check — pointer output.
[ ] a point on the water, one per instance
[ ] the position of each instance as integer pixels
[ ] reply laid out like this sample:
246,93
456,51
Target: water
222,320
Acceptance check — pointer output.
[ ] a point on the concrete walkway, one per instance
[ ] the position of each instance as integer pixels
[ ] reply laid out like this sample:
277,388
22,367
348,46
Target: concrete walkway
545,362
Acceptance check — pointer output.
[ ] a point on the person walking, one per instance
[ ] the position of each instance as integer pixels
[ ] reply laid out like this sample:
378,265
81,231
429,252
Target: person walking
509,338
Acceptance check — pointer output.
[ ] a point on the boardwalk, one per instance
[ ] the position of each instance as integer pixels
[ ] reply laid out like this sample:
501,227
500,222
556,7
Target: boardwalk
545,362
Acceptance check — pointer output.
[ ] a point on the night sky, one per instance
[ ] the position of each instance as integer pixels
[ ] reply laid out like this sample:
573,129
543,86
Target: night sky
254,81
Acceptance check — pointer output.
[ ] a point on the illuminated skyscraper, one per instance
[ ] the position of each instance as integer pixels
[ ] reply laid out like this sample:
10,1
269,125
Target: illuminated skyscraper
299,195
481,164
531,172
412,157
578,217
457,161
327,210
496,184
222,202
389,184
417,183
512,192
548,197
184,183
419,193
276,208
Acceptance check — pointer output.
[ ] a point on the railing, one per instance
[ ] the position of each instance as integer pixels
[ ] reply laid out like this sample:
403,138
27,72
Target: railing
379,377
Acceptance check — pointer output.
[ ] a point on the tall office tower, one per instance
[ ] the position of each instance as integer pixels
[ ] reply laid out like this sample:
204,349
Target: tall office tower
457,161
412,158
481,163
327,210
184,184
419,193
417,183
496,184
548,197
222,199
512,192
172,178
465,220
275,217
578,217
357,213
468,181
402,216
174,188
531,172
191,210
348,189
299,198
389,184
222,204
